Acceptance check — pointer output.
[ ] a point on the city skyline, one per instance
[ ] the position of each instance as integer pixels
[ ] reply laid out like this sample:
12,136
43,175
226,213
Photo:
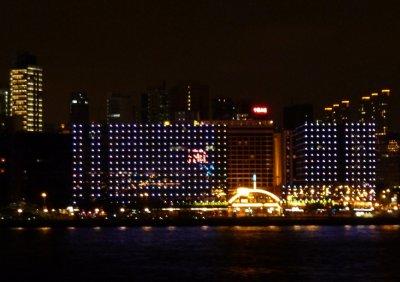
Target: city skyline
272,52
193,140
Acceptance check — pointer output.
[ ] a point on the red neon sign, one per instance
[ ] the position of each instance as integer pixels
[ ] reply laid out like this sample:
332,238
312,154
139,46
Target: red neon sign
197,156
260,110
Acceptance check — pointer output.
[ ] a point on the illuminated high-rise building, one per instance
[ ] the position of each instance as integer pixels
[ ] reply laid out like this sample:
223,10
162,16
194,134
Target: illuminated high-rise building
4,102
223,108
389,161
293,116
331,153
120,108
339,112
26,88
4,107
79,107
335,164
251,151
155,105
375,108
190,101
125,164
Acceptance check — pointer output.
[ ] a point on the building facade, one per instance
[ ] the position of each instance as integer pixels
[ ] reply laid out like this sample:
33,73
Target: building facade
120,108
4,107
339,112
155,105
293,116
332,154
190,101
147,164
376,108
223,108
250,151
26,88
389,161
79,108
4,102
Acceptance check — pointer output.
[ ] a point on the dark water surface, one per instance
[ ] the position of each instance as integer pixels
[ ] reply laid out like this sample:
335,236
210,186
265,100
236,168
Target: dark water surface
330,253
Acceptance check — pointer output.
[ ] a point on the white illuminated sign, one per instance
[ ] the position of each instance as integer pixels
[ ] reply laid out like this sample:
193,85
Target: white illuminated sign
260,110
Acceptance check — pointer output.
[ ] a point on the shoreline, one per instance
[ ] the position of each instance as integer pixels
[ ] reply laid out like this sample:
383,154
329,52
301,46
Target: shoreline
215,221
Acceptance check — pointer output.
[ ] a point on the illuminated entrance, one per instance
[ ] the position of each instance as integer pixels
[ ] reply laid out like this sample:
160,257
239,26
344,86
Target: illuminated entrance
249,201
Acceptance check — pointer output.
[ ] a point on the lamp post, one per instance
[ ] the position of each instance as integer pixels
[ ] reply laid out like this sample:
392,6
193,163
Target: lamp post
44,196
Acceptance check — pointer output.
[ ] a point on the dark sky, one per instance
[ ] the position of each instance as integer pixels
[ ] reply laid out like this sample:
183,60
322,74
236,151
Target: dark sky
276,51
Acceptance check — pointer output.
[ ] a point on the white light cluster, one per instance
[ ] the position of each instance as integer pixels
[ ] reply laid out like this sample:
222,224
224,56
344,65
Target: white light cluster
318,152
329,153
148,161
360,153
345,195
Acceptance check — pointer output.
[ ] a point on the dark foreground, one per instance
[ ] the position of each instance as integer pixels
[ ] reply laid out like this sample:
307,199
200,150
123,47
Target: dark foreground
200,221
286,253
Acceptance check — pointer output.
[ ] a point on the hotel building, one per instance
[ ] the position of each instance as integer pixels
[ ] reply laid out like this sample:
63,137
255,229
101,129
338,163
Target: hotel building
250,151
333,164
330,153
157,164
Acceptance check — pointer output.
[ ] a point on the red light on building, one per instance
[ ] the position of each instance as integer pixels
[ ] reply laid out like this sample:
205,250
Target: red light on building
260,110
197,156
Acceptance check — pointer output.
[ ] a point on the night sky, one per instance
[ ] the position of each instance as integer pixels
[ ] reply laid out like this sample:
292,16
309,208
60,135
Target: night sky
281,53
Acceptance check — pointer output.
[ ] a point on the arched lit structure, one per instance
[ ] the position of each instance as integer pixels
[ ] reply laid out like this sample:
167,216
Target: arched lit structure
255,198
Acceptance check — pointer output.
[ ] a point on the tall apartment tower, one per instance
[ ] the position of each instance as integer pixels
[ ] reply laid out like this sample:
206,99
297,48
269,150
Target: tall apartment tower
339,112
4,107
4,102
26,89
331,153
120,108
293,116
131,164
250,151
190,101
79,108
155,105
223,108
375,108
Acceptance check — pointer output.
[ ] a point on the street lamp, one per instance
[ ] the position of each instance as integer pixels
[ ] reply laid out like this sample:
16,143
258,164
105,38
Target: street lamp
44,196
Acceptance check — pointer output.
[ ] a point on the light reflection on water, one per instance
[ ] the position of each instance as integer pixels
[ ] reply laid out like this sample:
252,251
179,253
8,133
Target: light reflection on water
310,252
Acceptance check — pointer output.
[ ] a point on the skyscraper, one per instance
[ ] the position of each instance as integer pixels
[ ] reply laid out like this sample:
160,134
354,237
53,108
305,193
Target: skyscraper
4,107
155,105
330,153
293,116
4,102
120,108
339,112
250,151
190,101
79,108
126,164
375,108
223,108
389,161
26,88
